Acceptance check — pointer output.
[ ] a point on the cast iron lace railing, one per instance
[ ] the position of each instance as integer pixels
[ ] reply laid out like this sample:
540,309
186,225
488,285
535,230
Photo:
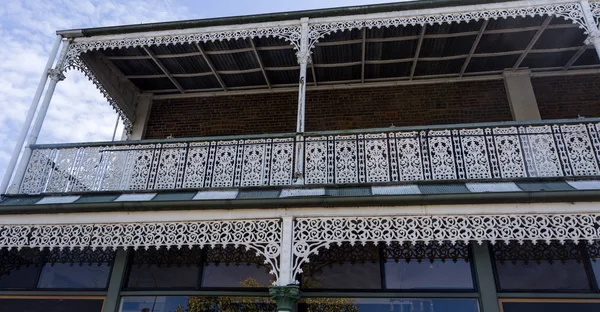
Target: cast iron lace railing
498,151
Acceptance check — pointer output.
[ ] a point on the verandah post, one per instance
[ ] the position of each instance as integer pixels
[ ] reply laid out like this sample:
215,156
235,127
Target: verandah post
303,55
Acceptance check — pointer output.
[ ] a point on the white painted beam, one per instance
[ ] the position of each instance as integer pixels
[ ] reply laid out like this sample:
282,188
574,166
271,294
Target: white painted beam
164,70
521,97
211,66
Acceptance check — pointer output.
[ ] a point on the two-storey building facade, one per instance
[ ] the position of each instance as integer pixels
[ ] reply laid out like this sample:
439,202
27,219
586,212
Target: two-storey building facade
417,156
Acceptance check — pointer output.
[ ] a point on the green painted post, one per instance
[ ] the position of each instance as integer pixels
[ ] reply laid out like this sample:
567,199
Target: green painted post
111,303
485,278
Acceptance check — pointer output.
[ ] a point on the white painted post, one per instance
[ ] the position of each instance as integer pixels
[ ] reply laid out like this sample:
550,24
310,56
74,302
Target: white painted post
285,257
592,27
521,98
142,114
56,75
303,59
29,118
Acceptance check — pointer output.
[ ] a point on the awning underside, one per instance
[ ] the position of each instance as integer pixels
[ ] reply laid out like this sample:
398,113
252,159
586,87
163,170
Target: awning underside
415,52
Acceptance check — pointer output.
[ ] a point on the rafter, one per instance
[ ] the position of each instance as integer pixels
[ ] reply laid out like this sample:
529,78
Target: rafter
474,47
575,57
532,42
417,52
210,65
164,70
260,63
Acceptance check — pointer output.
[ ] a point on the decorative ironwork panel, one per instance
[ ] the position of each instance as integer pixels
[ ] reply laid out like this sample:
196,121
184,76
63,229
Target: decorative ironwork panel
441,153
311,234
196,165
529,251
346,159
223,171
260,236
475,156
254,162
86,174
420,251
410,162
38,169
316,164
171,161
61,170
539,143
509,151
281,164
377,158
143,162
579,150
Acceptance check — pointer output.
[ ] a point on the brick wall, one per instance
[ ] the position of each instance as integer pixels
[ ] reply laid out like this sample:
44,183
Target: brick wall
568,96
450,103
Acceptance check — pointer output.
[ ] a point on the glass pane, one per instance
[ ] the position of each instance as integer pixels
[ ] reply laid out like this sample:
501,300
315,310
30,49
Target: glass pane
65,275
343,267
540,267
51,305
594,254
235,267
590,306
387,305
429,266
165,268
197,304
596,268
428,275
19,269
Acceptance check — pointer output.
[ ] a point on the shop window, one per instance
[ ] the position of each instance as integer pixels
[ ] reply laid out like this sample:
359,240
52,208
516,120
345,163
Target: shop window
196,304
165,268
428,267
57,304
55,269
235,267
552,305
594,254
185,268
387,305
540,266
343,267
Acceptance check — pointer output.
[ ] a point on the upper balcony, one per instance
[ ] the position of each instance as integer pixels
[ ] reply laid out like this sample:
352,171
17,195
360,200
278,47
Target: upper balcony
486,152
404,93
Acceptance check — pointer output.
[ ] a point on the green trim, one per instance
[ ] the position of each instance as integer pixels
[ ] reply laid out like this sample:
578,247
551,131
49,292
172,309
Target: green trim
194,293
389,200
286,297
271,17
47,293
550,295
404,294
111,304
484,276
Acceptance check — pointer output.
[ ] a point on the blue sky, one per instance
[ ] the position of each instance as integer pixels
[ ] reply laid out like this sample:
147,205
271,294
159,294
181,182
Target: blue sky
78,112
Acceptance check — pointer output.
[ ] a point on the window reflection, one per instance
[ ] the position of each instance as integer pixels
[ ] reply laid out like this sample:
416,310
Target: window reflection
540,266
196,304
431,266
530,305
235,267
51,305
343,267
165,268
19,269
65,275
387,305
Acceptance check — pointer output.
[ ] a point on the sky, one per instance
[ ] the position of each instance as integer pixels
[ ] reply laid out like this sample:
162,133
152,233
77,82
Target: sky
78,112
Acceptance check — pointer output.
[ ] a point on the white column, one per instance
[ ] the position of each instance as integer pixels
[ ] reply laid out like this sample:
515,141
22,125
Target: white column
56,75
285,257
592,28
29,118
521,97
303,59
142,114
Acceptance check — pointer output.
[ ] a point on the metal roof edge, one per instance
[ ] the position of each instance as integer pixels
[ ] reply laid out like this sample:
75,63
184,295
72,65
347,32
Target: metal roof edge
272,17
322,201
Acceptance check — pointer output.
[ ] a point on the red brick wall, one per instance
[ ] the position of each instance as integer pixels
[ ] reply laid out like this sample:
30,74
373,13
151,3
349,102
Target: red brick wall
568,96
450,103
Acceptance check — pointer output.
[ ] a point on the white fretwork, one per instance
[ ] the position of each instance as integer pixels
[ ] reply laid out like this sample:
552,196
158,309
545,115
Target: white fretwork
262,236
312,234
